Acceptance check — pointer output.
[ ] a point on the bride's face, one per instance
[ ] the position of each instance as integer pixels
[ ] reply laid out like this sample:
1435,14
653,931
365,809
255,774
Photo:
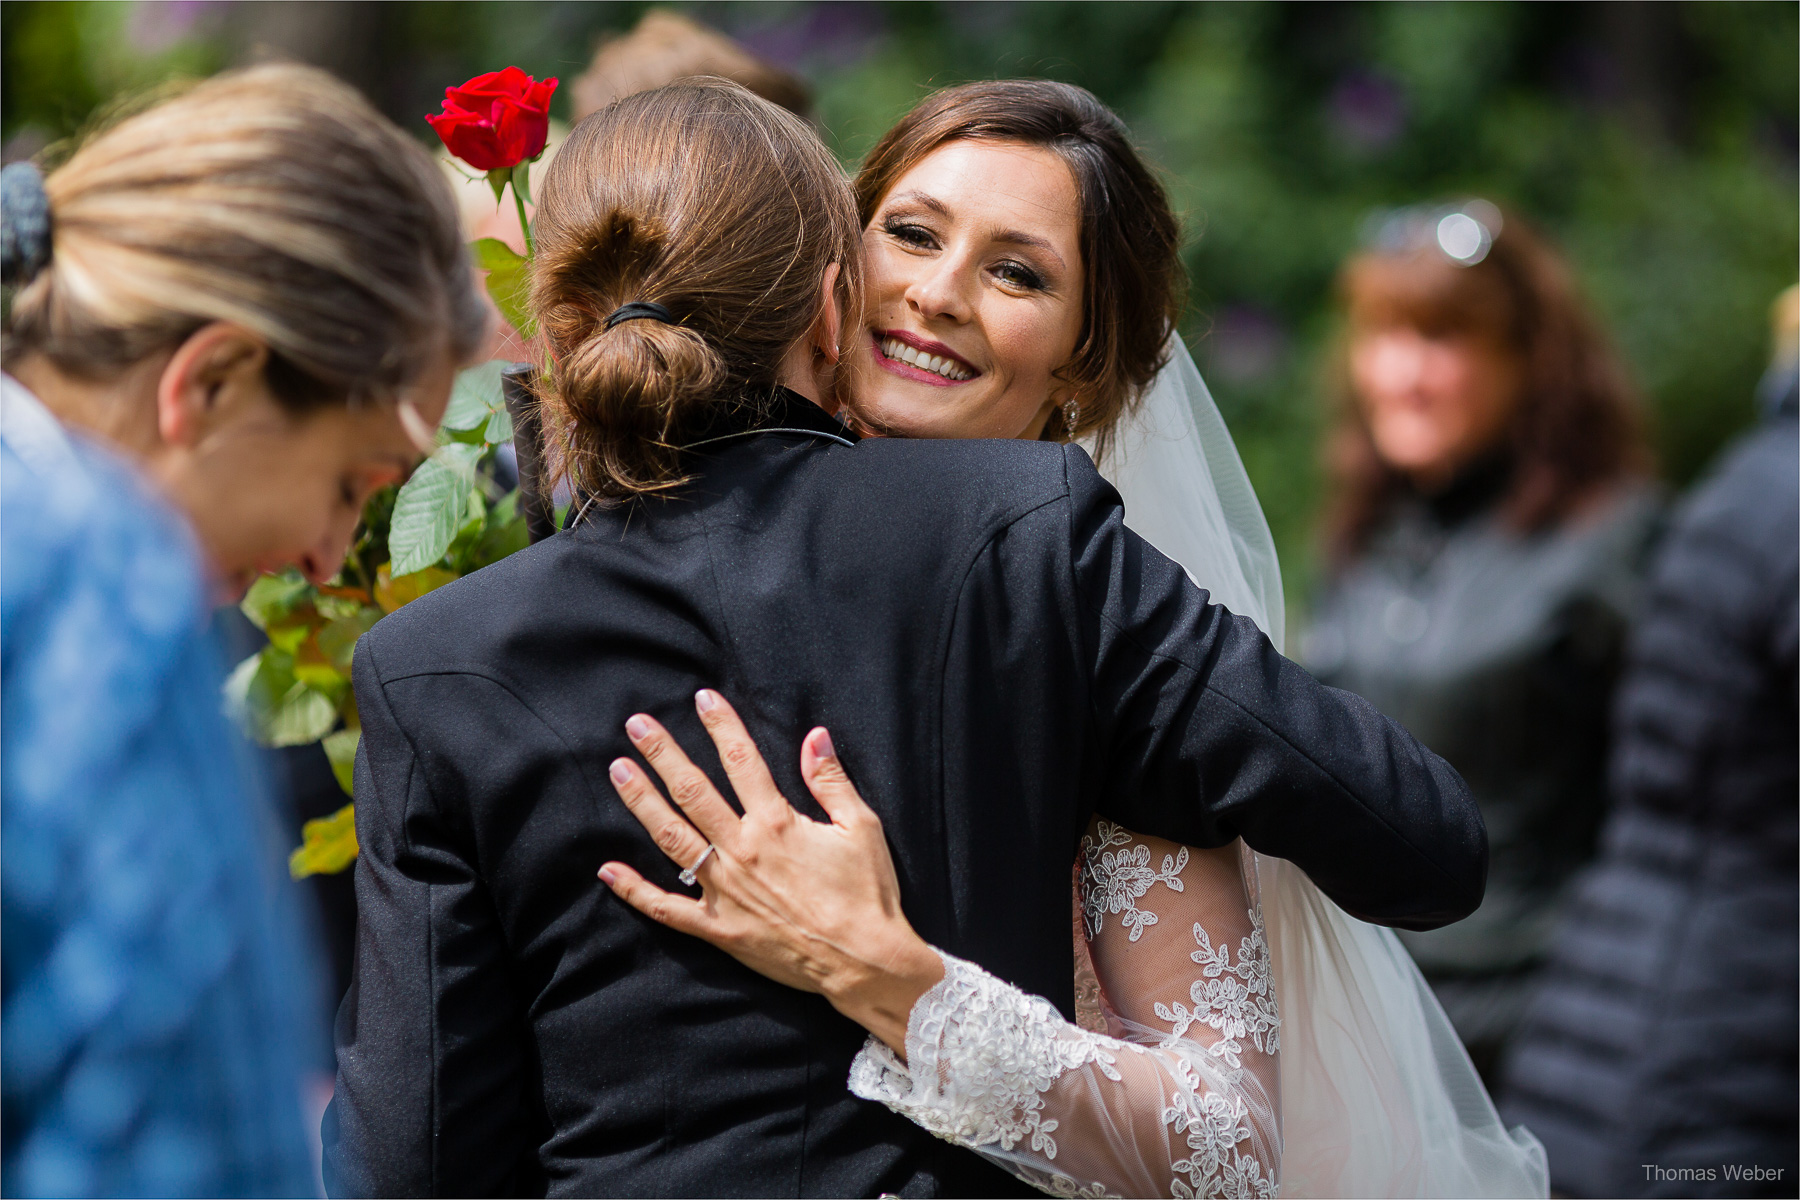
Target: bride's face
974,295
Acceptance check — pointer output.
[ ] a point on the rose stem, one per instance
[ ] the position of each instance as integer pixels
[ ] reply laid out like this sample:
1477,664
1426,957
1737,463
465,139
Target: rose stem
530,246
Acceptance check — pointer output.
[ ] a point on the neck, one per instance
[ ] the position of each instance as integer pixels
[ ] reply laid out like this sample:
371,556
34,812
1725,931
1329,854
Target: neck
120,410
800,372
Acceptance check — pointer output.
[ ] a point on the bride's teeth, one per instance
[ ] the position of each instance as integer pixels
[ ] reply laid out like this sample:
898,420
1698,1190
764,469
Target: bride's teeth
899,351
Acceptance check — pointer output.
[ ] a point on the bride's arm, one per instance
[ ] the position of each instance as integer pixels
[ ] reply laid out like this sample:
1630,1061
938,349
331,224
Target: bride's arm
1177,1098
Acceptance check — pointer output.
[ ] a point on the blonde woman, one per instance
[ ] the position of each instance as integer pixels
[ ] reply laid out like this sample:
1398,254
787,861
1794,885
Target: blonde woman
226,310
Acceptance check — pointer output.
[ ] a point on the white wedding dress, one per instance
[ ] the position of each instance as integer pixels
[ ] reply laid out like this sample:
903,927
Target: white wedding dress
1240,1035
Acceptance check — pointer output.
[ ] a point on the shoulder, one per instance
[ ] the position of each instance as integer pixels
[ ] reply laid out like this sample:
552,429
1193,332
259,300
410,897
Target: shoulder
103,595
997,478
1754,490
469,619
1737,534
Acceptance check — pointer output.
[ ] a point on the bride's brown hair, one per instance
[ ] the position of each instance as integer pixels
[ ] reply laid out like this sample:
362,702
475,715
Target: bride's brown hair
1130,239
719,206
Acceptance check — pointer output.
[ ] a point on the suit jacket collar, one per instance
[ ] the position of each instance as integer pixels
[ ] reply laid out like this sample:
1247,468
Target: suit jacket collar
780,411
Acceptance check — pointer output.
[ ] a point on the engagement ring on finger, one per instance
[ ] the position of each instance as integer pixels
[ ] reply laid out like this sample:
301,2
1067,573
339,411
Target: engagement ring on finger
689,876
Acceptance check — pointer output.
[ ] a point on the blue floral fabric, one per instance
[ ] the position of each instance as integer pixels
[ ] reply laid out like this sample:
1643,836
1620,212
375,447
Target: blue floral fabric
157,1003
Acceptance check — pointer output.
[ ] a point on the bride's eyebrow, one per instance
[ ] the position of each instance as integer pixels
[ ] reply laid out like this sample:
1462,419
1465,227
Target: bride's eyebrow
924,200
1014,237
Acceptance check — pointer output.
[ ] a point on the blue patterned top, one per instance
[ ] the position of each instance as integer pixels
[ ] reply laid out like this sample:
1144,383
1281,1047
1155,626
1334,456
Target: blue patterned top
158,1006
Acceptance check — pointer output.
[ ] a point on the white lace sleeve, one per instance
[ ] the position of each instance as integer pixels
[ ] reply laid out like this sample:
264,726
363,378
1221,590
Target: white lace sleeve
1177,1097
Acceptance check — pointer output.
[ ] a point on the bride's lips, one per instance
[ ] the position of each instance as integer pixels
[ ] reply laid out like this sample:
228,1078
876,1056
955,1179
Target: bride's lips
923,345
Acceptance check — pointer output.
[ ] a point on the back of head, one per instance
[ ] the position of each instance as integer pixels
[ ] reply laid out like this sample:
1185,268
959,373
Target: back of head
722,208
667,46
1130,238
275,198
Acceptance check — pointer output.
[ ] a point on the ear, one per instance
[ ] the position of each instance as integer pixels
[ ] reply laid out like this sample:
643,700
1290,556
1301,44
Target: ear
211,375
828,330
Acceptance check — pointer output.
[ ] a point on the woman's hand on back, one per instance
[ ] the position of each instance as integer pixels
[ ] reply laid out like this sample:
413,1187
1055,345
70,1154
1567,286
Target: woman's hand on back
812,904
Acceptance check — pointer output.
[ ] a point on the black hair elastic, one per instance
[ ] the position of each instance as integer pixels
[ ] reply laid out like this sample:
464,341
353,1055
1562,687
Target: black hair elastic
638,310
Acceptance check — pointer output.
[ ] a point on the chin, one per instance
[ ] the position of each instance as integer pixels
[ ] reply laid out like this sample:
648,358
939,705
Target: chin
902,417
230,589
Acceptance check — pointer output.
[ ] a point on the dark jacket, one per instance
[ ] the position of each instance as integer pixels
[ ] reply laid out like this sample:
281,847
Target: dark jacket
1500,651
1664,1033
995,655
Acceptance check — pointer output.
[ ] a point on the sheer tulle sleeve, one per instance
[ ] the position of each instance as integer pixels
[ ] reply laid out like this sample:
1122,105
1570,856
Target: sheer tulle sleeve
1172,1092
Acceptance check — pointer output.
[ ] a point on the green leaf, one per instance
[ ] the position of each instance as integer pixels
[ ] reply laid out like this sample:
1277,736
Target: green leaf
287,637
338,638
340,748
475,397
256,689
327,845
272,597
508,281
499,428
498,179
499,540
431,508
303,716
521,180
237,689
394,593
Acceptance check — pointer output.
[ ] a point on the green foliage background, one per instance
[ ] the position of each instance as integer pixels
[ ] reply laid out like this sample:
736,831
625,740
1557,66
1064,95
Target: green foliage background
1654,142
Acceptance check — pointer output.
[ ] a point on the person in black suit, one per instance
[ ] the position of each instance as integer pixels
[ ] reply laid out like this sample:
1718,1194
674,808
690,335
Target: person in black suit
997,656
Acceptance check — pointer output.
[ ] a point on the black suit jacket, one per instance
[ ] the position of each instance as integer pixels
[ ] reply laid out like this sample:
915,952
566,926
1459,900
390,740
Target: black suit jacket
996,657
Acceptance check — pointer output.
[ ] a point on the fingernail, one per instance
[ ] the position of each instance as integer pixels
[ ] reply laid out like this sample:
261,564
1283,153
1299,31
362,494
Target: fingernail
638,728
706,699
607,876
620,771
822,745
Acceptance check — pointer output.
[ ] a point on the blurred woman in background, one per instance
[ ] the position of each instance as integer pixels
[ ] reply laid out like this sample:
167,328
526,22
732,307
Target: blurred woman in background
233,313
1491,508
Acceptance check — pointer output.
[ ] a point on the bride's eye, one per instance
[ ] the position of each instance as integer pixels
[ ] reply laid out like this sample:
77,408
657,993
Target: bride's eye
1015,274
907,232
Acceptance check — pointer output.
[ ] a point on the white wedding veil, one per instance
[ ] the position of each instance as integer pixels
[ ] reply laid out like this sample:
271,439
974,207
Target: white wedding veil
1378,1097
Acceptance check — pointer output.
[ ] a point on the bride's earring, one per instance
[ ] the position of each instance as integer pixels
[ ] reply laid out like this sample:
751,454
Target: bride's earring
1071,413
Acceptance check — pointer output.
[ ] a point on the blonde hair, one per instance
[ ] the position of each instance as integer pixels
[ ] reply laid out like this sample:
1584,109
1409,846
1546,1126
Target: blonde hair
719,206
275,198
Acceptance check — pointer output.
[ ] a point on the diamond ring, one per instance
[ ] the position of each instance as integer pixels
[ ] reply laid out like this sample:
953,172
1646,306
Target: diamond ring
689,876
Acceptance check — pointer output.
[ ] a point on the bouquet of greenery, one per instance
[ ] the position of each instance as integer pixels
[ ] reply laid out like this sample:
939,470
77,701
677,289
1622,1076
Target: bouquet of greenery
448,519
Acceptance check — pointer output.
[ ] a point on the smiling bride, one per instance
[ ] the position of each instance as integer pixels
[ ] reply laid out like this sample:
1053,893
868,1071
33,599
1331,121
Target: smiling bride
1022,281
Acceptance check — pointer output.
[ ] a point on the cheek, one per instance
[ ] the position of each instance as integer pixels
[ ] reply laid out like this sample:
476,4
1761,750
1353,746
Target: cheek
298,503
303,518
886,274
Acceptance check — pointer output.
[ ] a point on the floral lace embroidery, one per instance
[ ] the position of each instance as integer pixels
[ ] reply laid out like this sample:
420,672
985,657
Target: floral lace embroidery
1237,1000
980,1054
1115,882
1215,1124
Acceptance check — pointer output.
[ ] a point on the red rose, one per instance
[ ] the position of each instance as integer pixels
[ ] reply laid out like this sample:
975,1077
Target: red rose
496,121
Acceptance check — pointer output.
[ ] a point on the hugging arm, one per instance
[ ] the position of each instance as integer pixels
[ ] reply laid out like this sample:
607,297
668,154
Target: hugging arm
429,1047
1212,735
1176,1098
1179,1096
